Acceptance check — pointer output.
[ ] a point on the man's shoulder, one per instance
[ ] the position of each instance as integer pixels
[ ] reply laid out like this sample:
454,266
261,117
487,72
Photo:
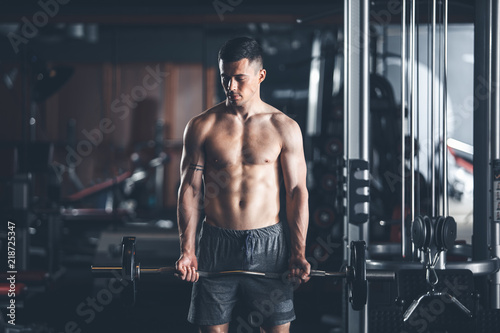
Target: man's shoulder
214,110
287,127
282,120
206,117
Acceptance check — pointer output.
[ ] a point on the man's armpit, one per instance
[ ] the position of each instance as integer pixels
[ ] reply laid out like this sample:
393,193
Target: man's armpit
196,167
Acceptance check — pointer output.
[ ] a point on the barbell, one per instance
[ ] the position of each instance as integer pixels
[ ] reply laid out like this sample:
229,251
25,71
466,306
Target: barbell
355,273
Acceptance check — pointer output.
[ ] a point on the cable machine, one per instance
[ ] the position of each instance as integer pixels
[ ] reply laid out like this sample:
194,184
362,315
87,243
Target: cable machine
425,278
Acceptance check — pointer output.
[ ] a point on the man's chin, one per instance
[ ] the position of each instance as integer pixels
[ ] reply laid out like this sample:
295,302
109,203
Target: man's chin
234,102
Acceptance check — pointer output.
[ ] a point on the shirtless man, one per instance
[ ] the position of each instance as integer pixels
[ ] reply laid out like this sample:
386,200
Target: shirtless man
240,150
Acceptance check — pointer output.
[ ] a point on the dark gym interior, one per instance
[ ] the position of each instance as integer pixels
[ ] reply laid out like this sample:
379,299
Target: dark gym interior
399,107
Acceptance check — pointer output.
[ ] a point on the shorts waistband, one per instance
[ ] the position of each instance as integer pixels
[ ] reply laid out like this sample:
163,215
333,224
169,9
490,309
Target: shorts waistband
264,232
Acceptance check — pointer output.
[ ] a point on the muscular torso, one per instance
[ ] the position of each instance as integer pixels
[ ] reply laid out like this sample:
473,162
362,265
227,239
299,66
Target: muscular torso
242,170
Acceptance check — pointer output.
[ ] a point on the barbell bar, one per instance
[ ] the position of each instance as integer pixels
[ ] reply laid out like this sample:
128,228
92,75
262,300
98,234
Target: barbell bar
355,274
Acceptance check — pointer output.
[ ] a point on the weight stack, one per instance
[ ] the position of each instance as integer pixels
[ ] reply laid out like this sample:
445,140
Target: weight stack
326,215
325,182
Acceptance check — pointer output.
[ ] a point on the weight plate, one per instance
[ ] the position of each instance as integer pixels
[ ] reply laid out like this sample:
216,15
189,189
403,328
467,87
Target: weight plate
318,252
128,258
428,232
438,232
418,232
328,182
324,217
449,232
334,147
358,285
338,111
359,290
128,271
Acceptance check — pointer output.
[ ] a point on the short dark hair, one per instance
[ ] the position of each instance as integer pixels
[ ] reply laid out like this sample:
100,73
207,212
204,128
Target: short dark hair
241,48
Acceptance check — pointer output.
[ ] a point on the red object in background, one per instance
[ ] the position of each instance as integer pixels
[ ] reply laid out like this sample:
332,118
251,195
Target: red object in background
98,187
5,289
462,161
395,236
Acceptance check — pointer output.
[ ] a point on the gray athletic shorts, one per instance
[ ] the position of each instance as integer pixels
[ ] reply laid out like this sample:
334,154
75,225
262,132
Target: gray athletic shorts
262,301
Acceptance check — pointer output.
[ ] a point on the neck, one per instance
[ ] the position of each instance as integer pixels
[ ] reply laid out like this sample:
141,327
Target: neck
244,111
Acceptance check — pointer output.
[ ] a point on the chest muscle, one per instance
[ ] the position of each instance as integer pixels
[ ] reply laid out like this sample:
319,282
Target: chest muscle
243,145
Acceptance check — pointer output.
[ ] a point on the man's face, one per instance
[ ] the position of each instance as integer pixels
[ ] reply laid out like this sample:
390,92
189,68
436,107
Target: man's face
241,80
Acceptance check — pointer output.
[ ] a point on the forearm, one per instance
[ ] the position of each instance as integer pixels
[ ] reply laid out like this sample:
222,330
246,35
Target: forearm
188,216
298,218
